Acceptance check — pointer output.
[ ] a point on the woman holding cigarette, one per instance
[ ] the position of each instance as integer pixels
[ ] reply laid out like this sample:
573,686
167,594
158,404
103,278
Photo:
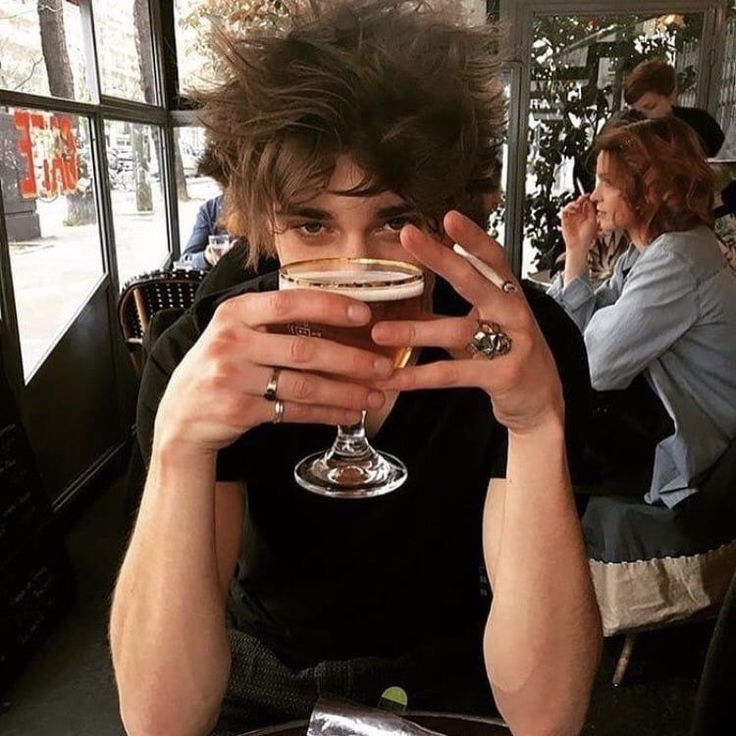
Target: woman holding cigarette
242,596
660,333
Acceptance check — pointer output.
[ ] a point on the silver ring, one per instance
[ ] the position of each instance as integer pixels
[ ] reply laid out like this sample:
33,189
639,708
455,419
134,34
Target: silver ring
509,287
278,411
489,341
272,386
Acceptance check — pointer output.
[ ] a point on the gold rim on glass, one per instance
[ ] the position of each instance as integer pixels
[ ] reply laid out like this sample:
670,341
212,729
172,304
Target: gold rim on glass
414,276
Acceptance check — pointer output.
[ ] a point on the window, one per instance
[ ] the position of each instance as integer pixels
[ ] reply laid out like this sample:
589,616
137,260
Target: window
24,67
134,172
51,219
192,190
125,49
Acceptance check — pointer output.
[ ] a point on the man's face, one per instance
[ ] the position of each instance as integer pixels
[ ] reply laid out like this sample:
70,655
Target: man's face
612,209
333,225
655,105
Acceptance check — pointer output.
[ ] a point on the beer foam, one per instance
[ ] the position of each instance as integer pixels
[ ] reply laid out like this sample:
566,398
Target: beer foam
365,286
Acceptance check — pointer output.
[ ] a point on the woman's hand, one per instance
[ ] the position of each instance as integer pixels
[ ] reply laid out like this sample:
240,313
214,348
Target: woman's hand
523,384
217,392
579,225
579,231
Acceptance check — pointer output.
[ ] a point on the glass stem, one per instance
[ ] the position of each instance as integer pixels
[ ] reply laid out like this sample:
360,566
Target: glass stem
351,442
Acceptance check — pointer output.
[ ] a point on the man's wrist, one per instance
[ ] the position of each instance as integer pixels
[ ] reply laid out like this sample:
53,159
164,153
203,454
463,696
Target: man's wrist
549,427
170,450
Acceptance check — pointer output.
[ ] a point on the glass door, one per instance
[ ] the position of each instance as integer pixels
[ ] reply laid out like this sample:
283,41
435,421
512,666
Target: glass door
570,62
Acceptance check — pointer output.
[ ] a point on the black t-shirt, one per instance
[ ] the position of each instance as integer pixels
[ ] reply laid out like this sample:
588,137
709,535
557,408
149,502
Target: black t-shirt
324,579
704,125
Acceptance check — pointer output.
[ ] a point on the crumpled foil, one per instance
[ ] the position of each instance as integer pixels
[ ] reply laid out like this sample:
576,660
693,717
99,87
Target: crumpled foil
340,718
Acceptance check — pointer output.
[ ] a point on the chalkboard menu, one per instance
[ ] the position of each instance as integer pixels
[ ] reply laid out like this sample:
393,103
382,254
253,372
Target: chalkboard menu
36,583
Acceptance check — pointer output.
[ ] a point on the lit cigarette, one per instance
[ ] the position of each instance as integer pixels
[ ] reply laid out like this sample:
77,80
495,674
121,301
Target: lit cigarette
484,269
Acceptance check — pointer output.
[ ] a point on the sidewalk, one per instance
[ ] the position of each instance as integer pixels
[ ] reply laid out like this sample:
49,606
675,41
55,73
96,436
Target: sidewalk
54,275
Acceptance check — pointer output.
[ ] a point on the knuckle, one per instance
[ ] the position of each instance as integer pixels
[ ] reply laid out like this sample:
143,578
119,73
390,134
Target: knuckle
300,349
448,373
218,376
281,302
303,388
223,336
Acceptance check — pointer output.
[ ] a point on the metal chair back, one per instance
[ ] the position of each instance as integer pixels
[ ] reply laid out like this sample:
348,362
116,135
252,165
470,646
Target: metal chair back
145,295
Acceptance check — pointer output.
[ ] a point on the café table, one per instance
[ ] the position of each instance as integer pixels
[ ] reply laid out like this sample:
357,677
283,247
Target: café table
449,724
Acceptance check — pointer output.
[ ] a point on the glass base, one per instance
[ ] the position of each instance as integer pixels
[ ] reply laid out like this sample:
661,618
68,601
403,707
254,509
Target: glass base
330,474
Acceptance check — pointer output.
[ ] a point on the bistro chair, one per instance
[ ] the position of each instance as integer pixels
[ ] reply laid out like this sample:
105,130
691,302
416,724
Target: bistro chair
148,294
653,566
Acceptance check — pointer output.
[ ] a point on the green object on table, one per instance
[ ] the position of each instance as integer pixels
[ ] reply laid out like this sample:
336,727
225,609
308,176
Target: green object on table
394,698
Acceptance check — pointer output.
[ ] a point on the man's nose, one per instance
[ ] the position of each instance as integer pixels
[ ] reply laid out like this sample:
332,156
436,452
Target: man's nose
356,245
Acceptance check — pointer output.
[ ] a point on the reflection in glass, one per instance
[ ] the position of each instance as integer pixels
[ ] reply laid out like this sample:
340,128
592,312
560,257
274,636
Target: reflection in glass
139,217
51,218
125,50
578,63
61,70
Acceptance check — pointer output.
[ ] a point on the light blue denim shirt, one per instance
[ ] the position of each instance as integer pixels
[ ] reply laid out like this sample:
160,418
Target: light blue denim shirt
670,312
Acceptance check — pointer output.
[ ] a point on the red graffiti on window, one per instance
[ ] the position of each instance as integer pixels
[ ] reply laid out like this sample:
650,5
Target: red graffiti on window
49,147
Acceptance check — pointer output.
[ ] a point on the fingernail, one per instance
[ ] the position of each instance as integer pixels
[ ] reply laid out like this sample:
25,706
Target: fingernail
359,313
383,366
378,332
376,399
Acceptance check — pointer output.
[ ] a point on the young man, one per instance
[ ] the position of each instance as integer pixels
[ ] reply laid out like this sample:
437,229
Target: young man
359,130
651,89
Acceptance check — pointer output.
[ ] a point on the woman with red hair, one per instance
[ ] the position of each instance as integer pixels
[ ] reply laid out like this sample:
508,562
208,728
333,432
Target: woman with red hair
664,325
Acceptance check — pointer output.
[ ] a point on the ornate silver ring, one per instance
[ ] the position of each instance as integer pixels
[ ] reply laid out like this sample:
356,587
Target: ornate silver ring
489,341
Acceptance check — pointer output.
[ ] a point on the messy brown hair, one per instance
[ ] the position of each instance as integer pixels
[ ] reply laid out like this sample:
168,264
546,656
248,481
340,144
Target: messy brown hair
661,171
653,75
403,86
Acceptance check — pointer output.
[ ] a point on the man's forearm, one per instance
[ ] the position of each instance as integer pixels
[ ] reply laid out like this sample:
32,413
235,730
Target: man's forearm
167,629
543,637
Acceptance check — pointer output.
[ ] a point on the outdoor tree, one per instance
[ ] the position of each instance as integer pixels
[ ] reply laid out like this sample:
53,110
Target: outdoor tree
138,139
16,73
202,16
81,205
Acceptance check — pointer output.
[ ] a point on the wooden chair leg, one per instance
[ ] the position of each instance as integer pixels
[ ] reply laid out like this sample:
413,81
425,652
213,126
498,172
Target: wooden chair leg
624,659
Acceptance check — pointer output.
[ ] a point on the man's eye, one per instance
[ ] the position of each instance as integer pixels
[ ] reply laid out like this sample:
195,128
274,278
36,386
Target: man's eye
396,223
311,228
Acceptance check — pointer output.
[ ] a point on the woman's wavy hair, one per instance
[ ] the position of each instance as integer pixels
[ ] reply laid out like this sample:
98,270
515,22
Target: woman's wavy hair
660,168
405,87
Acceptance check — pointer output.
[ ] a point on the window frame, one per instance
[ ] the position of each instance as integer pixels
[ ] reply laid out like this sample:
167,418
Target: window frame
101,108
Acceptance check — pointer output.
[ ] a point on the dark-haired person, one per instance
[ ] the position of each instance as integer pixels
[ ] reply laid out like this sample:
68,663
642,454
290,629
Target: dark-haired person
360,129
651,89
659,333
198,252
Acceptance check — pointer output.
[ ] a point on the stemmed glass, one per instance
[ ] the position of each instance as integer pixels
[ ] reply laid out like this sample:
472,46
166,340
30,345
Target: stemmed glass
351,468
